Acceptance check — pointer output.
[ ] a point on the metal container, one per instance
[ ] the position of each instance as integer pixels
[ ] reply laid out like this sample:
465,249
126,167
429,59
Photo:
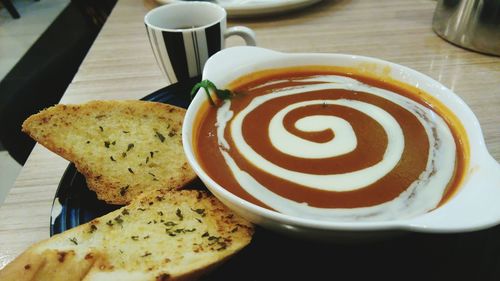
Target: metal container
472,24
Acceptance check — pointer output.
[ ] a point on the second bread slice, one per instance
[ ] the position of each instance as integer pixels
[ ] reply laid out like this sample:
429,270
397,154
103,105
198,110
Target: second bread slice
162,235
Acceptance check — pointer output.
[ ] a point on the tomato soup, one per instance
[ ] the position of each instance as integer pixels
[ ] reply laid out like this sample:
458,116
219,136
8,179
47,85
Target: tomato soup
318,143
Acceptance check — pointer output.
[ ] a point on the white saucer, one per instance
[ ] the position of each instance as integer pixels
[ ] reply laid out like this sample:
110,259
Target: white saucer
249,8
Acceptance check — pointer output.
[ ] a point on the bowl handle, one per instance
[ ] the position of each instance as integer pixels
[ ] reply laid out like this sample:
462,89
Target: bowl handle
475,206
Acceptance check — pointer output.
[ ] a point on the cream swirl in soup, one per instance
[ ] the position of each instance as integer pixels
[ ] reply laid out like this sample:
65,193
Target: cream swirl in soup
331,147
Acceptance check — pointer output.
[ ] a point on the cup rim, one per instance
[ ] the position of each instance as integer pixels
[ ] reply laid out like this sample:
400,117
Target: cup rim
147,17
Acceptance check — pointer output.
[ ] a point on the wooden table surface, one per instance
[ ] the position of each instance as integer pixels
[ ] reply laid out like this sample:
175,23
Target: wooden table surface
120,65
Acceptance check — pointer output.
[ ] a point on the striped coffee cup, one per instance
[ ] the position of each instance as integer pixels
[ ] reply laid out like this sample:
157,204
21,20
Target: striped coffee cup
184,35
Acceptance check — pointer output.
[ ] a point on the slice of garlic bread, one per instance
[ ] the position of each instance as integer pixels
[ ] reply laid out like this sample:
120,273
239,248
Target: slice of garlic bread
162,235
123,148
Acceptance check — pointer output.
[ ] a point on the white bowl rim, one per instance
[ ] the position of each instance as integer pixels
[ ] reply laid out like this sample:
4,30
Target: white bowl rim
431,222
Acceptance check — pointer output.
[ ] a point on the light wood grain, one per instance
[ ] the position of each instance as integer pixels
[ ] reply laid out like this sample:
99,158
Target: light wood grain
120,65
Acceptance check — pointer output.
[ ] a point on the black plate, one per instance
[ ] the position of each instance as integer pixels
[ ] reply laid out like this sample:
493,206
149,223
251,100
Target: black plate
270,256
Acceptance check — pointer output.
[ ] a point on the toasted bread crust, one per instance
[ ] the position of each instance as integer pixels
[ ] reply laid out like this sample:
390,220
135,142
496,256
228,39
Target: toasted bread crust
163,235
123,148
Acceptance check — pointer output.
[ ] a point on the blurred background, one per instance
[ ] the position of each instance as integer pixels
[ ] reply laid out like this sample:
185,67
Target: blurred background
42,44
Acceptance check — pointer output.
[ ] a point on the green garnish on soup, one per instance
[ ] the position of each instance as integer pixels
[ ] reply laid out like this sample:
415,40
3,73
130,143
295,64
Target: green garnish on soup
210,88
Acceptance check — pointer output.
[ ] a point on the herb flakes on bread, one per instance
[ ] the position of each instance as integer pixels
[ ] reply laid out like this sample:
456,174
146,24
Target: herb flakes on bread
162,235
123,148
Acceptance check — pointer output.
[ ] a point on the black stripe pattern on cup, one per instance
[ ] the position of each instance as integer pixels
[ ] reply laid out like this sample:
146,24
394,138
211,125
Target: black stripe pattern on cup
154,46
214,39
182,54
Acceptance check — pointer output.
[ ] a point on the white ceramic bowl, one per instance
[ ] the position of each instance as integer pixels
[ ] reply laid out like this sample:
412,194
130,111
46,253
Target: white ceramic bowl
475,206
